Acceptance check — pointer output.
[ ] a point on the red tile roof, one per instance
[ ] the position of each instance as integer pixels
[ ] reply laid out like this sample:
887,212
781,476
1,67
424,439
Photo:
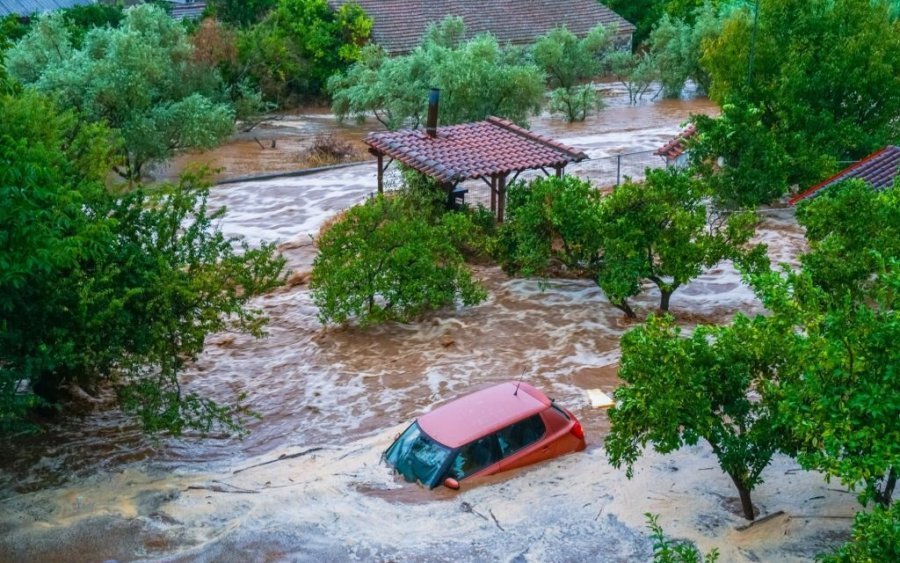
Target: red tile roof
879,170
399,24
677,146
473,150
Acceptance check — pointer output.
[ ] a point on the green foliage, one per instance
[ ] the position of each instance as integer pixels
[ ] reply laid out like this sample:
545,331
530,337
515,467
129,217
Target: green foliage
381,263
838,318
635,71
875,537
666,551
647,14
300,44
551,223
739,156
679,390
851,229
11,30
660,230
676,47
81,19
99,290
477,78
139,78
840,102
567,62
240,13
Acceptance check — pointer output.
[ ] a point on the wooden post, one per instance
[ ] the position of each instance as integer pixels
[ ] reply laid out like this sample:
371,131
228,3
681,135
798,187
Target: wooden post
559,171
501,198
494,195
380,173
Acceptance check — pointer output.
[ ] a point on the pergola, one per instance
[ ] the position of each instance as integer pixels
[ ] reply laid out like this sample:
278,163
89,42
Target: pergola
491,150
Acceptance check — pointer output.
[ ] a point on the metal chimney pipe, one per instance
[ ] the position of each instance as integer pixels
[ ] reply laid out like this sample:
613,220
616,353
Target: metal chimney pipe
434,97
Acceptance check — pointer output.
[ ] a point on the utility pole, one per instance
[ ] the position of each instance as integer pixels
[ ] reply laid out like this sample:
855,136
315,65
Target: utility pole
753,43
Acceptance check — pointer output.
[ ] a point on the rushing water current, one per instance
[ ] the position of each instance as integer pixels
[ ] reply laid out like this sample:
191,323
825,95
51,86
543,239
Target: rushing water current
92,488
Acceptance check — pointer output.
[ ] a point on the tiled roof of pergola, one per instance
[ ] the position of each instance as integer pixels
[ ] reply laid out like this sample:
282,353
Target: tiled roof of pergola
879,170
493,147
678,145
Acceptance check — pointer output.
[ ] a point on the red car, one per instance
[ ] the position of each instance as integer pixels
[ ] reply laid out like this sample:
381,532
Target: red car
492,430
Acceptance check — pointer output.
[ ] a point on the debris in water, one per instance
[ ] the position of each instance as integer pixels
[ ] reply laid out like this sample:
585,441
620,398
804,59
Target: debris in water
599,399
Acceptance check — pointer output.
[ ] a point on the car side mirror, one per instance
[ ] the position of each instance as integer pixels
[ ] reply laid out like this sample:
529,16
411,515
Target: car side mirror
451,483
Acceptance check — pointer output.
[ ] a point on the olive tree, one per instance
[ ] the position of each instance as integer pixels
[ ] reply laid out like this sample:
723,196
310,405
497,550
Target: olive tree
568,61
138,78
477,78
711,385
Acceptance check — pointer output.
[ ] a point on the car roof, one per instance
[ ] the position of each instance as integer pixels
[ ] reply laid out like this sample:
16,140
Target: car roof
473,416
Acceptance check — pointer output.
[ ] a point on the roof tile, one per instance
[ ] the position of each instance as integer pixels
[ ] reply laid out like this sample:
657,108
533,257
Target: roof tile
400,24
879,170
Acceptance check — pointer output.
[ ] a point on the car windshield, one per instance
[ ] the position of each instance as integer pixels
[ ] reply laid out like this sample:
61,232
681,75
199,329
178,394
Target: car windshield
417,457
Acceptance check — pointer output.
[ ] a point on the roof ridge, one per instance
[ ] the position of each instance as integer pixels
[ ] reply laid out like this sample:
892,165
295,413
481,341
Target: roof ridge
546,141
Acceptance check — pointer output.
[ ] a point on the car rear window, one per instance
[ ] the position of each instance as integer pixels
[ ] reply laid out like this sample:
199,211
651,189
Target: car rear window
521,434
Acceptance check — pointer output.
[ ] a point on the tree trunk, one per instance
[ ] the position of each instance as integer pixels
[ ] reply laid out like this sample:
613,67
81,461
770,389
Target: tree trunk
886,494
664,300
744,492
625,308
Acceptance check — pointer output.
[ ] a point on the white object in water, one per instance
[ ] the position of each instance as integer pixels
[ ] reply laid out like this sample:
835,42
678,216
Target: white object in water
599,399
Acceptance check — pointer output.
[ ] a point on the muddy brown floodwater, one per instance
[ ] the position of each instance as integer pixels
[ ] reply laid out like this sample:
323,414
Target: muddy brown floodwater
307,483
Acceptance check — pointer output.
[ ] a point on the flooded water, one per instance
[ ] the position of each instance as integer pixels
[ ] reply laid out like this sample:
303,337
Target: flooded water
307,482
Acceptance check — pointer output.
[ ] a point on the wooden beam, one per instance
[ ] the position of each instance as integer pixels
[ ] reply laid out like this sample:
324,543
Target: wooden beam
380,173
494,195
501,198
559,171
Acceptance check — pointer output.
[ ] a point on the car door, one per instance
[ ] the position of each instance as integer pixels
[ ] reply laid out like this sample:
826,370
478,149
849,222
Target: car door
477,458
524,442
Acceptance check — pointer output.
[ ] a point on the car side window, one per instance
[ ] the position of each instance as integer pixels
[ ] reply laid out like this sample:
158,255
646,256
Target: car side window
521,434
475,456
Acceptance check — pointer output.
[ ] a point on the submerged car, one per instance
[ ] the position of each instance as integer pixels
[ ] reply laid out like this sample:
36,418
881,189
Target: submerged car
499,428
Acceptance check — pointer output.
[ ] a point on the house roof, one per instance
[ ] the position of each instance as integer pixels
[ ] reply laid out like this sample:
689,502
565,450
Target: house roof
879,170
472,150
399,24
468,418
678,145
180,9
29,7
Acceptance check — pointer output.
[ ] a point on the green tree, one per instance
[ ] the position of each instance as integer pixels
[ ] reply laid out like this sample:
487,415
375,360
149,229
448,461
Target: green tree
678,390
139,78
667,551
380,263
676,47
839,102
300,44
838,317
567,62
98,290
240,13
552,224
875,537
661,230
81,19
477,78
636,71
739,157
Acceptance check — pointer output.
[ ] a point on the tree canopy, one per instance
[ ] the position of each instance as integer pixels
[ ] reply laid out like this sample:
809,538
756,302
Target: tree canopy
138,78
98,290
477,78
825,77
